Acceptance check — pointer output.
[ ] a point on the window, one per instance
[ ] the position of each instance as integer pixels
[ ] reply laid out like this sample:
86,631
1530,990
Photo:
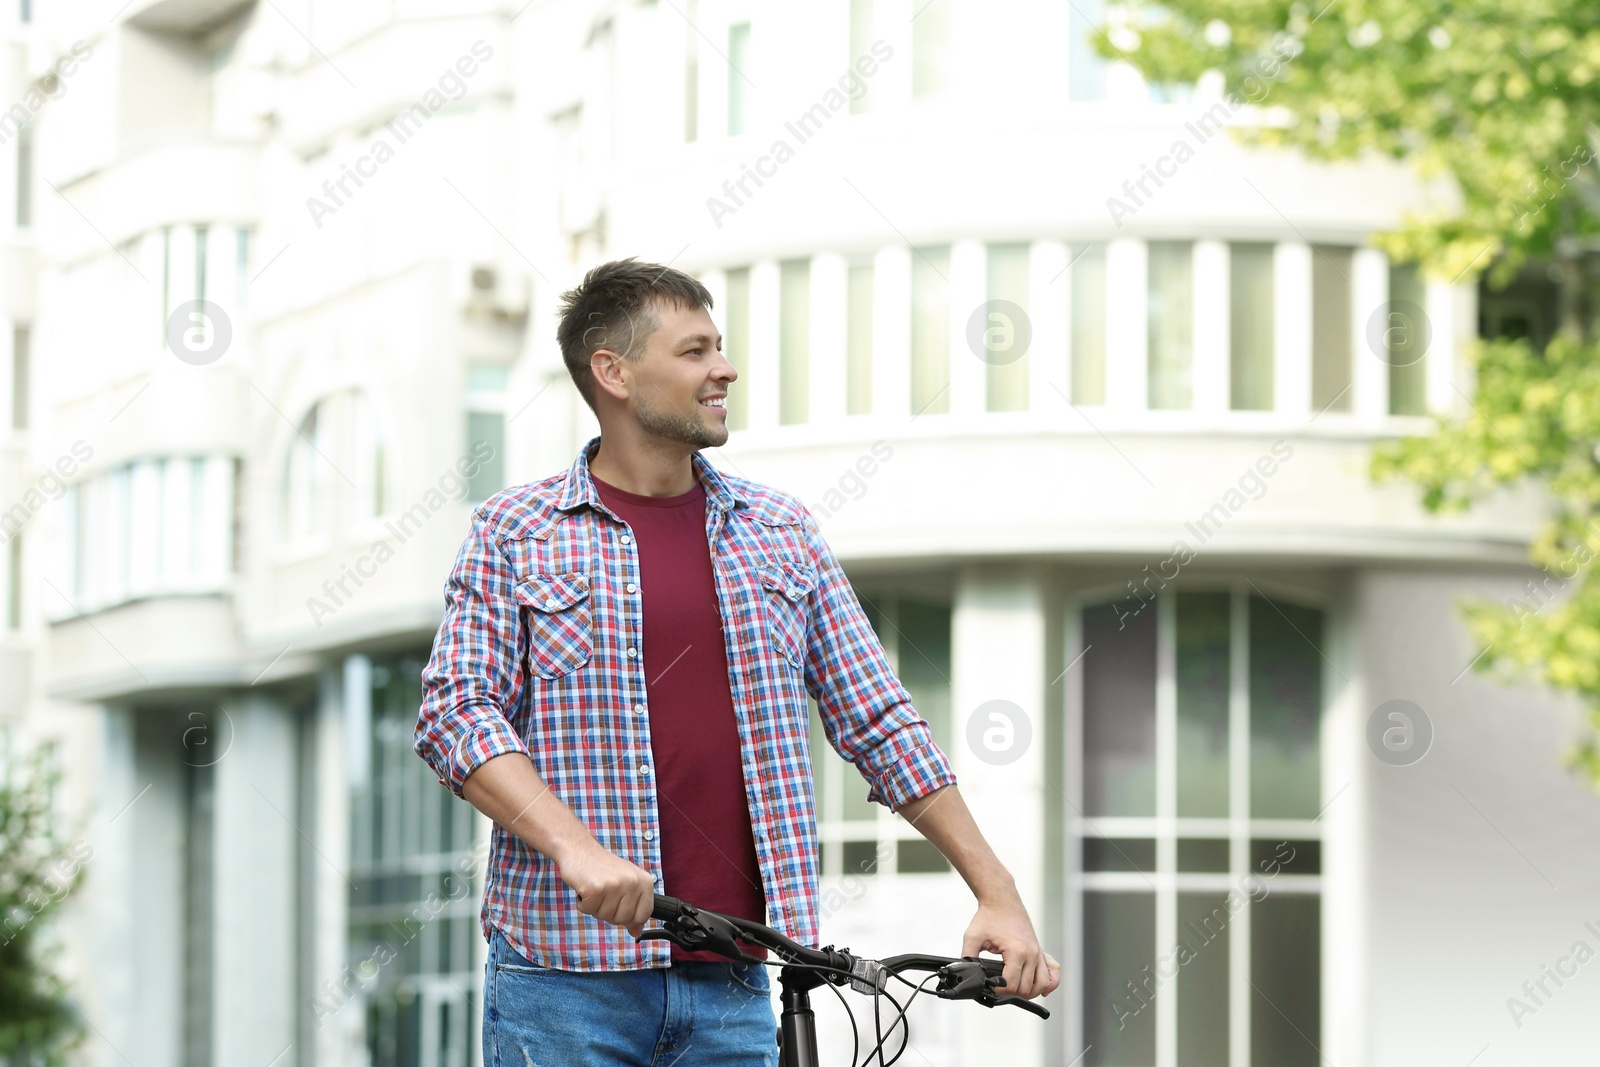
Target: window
1331,268
14,583
306,488
858,339
66,558
198,856
736,344
862,36
175,499
21,344
201,238
155,525
413,903
241,269
794,340
1407,339
691,72
1250,341
1006,368
575,203
339,466
1528,306
738,98
371,471
25,176
855,833
1171,324
1086,68
166,281
1088,281
930,330
930,48
1195,854
486,429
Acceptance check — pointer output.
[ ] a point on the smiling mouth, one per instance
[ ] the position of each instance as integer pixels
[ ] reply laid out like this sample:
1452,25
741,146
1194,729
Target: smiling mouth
717,404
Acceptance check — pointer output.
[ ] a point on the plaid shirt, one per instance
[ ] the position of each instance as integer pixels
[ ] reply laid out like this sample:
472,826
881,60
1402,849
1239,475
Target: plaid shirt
540,652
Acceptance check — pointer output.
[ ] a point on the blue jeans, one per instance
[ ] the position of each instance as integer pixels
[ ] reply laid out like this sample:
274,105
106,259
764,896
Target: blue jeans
692,1014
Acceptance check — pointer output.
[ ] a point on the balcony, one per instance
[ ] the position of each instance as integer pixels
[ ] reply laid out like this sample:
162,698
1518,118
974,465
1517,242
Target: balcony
182,16
129,650
1120,396
159,186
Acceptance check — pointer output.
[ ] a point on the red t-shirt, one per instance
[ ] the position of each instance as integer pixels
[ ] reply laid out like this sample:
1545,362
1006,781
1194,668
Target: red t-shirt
708,850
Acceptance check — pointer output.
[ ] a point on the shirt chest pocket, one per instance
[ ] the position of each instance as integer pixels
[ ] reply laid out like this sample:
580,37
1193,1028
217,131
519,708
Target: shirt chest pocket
785,594
560,622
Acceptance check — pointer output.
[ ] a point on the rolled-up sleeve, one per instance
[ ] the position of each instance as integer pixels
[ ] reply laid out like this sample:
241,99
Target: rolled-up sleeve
866,711
474,677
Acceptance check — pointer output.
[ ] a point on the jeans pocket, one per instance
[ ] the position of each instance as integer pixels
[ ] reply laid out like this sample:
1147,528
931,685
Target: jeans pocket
504,959
524,969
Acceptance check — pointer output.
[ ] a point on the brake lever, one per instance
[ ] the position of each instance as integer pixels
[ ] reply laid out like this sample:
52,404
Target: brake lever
968,979
962,979
697,931
992,999
665,935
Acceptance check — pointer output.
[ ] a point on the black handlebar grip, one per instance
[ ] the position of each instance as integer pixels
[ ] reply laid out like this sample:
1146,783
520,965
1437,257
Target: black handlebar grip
991,967
667,907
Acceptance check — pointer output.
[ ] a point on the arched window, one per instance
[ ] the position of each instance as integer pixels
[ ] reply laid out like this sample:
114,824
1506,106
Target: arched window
373,457
305,477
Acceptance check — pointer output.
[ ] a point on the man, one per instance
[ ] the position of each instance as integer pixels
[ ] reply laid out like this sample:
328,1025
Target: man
620,683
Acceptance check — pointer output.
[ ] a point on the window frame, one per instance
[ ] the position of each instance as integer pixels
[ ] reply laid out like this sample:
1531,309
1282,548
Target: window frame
832,775
1165,883
388,850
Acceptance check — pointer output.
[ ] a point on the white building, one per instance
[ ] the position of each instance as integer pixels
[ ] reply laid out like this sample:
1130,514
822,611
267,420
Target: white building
1104,462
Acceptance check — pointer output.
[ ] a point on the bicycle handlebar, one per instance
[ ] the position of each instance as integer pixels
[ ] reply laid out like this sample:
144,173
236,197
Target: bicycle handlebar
696,929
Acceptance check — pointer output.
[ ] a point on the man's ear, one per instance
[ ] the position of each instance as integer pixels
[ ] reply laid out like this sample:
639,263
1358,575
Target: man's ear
606,366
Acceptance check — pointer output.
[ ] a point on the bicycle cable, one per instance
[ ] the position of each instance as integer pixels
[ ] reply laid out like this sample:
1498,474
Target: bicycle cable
855,1035
905,1038
904,1019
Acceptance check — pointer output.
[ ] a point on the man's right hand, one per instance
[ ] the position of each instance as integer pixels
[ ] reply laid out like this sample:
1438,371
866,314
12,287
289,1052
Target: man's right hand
609,887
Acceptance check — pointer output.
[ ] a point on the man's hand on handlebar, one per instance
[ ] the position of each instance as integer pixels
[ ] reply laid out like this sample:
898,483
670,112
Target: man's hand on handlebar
609,887
1004,928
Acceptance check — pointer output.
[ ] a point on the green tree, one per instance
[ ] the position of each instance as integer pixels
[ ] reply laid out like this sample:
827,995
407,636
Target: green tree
1499,99
37,871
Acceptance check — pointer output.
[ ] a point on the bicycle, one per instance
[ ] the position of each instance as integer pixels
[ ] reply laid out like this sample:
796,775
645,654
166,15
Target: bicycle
804,969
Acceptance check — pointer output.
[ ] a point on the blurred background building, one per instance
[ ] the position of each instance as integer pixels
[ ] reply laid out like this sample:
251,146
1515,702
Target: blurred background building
1081,391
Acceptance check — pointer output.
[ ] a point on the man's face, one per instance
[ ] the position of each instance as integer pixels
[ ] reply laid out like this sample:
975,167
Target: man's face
679,384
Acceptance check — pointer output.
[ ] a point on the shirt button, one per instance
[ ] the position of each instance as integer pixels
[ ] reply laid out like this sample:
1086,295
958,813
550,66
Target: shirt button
639,708
632,651
551,603
632,588
644,768
625,539
649,835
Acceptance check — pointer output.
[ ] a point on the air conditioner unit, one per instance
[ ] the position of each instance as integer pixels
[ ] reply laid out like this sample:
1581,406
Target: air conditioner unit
497,289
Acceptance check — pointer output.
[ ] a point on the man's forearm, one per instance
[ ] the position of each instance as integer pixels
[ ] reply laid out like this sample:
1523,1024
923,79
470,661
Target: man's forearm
509,791
944,819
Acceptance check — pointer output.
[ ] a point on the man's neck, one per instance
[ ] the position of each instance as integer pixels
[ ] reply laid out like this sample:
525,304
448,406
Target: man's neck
644,470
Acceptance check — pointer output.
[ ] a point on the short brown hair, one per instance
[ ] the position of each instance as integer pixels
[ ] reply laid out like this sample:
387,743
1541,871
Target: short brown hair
614,308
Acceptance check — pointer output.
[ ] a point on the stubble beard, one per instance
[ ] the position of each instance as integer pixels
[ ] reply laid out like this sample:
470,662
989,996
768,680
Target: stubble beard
692,429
